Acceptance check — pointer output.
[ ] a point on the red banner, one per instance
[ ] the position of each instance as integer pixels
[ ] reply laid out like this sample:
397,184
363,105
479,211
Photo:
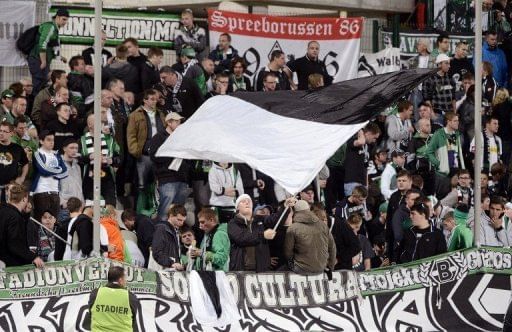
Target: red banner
283,27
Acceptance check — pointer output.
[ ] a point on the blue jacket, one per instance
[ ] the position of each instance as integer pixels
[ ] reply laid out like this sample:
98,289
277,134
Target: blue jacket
41,169
499,64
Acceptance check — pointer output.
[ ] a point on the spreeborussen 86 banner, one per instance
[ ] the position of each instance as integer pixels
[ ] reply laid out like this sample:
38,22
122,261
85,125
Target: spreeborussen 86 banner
256,36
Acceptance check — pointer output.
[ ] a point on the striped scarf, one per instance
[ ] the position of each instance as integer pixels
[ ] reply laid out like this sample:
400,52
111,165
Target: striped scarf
89,145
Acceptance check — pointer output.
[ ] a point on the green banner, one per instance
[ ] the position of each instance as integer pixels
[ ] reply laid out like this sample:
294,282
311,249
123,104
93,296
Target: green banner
437,270
149,28
68,278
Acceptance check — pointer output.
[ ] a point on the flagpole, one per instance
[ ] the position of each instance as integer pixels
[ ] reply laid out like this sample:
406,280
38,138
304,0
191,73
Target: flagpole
478,120
57,236
97,124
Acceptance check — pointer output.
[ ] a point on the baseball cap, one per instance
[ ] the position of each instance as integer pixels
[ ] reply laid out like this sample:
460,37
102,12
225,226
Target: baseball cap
62,12
189,52
173,116
8,93
441,58
261,207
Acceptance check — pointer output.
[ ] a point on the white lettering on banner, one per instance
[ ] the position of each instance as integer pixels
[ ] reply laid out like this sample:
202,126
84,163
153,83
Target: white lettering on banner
256,36
284,27
150,29
15,18
385,61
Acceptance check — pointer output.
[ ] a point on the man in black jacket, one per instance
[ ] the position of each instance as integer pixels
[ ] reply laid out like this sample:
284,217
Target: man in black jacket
172,185
166,244
181,94
403,183
14,250
423,240
249,235
149,71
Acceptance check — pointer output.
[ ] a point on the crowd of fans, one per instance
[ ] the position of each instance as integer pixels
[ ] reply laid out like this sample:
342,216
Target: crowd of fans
399,190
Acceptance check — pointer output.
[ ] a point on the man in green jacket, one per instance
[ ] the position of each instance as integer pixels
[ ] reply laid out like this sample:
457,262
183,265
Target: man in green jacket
47,47
113,308
444,152
461,236
215,247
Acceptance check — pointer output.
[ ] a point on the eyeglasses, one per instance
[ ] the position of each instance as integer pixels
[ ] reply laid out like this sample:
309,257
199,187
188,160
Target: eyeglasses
5,131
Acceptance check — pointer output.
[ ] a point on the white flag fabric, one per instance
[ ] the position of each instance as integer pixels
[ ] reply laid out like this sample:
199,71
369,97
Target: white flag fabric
15,17
228,129
287,135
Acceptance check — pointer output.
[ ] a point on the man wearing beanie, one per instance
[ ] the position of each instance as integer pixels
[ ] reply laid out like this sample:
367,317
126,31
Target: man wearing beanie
249,235
308,243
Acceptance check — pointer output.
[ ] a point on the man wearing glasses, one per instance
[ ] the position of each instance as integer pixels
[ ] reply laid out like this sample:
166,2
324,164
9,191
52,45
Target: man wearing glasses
463,194
220,85
12,158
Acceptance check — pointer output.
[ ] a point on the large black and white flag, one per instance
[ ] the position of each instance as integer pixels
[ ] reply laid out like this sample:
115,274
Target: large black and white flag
287,135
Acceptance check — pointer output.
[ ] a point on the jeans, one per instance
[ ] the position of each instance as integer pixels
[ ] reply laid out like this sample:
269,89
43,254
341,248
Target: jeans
348,187
171,193
39,76
144,172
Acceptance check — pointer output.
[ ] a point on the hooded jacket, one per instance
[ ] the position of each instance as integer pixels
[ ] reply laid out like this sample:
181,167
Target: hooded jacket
309,243
498,60
221,178
489,236
421,243
461,236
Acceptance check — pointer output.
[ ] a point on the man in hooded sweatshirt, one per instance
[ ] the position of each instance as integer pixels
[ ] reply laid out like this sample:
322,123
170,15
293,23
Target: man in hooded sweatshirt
309,243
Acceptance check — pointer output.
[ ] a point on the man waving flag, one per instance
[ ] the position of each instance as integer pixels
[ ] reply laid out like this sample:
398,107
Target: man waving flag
287,135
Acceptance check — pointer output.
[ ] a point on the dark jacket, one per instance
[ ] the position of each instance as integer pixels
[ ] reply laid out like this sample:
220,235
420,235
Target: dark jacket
166,245
347,244
224,62
242,236
189,96
144,228
84,230
393,204
149,75
401,221
81,88
309,243
13,237
418,244
124,71
161,164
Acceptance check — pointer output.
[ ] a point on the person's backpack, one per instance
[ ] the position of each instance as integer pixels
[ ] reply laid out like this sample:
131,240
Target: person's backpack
27,40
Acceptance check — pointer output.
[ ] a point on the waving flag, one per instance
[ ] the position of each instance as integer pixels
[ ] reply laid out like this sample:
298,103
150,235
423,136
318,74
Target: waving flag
287,135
